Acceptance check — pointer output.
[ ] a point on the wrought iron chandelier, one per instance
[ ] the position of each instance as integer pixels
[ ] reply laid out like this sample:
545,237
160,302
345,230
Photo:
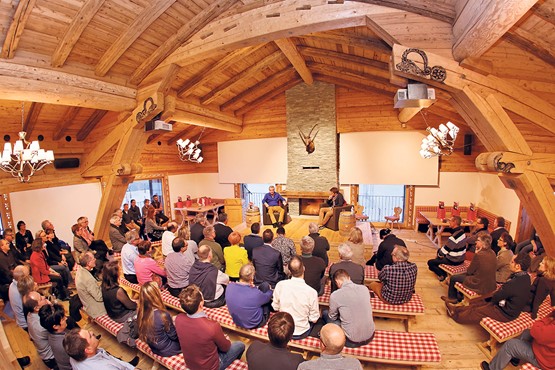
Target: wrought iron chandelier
26,157
189,150
439,141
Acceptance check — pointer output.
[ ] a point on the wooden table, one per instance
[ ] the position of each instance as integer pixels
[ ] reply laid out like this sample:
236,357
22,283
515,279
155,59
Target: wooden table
196,208
435,237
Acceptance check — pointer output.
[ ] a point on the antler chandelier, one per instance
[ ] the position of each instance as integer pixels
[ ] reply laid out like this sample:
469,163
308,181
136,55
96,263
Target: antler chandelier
26,157
190,151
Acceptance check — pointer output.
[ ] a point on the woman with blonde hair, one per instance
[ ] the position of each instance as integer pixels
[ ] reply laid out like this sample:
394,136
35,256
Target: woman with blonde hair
155,323
355,242
543,285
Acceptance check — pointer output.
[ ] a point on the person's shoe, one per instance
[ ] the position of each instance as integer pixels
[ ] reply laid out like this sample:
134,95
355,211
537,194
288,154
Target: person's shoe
484,365
24,361
442,278
275,224
515,361
449,300
450,309
135,361
321,227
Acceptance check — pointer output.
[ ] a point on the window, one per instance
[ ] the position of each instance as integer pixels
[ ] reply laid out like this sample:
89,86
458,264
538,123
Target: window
141,190
254,193
380,200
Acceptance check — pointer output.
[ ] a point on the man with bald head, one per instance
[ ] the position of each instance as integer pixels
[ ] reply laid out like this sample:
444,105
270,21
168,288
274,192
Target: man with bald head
332,341
16,301
208,278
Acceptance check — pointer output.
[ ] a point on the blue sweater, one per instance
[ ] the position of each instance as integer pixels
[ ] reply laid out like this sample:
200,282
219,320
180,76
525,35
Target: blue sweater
245,304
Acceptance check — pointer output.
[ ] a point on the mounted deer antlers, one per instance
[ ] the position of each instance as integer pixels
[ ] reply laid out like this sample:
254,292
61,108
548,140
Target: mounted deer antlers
307,140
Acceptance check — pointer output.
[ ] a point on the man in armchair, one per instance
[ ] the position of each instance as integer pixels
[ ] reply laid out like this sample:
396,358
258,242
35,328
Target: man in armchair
334,200
271,201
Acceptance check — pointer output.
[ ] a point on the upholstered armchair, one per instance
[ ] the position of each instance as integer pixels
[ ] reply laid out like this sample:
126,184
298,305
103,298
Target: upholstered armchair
266,217
333,222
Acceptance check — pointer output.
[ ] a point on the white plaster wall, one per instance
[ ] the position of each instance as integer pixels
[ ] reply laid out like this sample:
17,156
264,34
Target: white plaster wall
61,205
496,198
198,185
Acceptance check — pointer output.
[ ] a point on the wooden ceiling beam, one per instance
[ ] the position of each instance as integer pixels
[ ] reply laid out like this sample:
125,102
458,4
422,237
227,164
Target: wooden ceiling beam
339,81
193,118
440,11
356,77
186,133
269,95
276,79
529,42
207,15
91,123
289,49
381,32
206,73
66,121
74,31
132,33
247,73
545,12
353,40
480,24
17,25
32,118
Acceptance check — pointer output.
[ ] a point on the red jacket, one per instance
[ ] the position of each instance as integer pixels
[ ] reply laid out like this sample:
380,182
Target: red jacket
543,345
39,268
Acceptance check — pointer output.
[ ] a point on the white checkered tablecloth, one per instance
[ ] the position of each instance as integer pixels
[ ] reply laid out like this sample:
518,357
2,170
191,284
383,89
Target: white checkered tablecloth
107,323
506,330
130,285
528,366
414,306
468,292
455,270
370,272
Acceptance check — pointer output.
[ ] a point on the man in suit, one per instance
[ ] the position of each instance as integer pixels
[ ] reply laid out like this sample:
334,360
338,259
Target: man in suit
253,240
334,200
321,244
498,230
267,261
222,230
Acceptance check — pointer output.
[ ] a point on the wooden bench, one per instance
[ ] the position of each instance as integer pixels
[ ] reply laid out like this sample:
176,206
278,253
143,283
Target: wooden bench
404,312
400,348
176,362
455,270
370,273
528,366
503,331
470,295
480,212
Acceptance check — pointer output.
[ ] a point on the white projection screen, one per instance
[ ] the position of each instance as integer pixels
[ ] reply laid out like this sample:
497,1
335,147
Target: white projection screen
382,157
258,161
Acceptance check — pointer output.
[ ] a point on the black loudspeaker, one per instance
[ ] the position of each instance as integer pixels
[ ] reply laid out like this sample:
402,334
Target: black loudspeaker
66,163
467,149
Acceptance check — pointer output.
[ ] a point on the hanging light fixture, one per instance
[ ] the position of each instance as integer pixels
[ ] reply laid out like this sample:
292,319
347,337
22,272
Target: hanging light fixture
189,150
439,141
26,157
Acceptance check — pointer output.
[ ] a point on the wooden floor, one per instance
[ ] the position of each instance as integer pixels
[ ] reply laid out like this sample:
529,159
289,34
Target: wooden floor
457,342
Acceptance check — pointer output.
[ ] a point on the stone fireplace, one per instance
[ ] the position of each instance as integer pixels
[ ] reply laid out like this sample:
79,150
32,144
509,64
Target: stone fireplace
310,176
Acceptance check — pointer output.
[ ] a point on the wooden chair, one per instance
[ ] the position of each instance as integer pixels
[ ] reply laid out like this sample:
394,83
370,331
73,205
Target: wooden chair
359,216
395,218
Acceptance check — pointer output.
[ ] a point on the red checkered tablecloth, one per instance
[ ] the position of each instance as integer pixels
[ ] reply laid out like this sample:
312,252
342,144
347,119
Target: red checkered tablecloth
414,306
221,315
107,323
528,366
506,330
455,270
130,285
170,300
468,292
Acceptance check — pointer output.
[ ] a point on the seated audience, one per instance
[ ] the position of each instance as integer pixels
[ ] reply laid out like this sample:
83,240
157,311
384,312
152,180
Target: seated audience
235,256
396,285
321,244
218,259
135,214
533,245
146,206
98,246
152,230
208,278
332,341
480,276
506,304
82,347
350,308
280,331
80,245
452,253
184,233
53,318
248,305
334,200
482,224
42,273
62,246
23,239
314,267
20,256
298,299
356,241
146,268
383,255
116,301
88,290
129,254
498,230
203,343
222,231
267,262
504,257
122,227
284,245
55,258
197,228
178,265
535,346
32,304
543,285
355,271
272,202
167,238
155,323
117,237
161,218
127,218
253,240
20,278
7,265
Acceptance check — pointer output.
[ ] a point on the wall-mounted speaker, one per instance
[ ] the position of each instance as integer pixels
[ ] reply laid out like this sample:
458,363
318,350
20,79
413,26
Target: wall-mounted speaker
467,149
66,163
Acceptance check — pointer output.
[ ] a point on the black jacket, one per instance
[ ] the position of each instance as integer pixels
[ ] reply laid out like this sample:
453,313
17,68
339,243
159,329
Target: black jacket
383,256
205,275
321,247
222,233
513,295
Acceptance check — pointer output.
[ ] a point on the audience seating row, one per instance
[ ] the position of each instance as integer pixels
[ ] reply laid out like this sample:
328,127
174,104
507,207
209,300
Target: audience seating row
455,270
480,212
370,273
470,295
404,312
503,331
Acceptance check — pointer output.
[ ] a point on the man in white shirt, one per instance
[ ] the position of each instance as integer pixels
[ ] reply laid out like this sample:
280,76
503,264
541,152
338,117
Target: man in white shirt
298,299
167,237
16,301
32,302
129,253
